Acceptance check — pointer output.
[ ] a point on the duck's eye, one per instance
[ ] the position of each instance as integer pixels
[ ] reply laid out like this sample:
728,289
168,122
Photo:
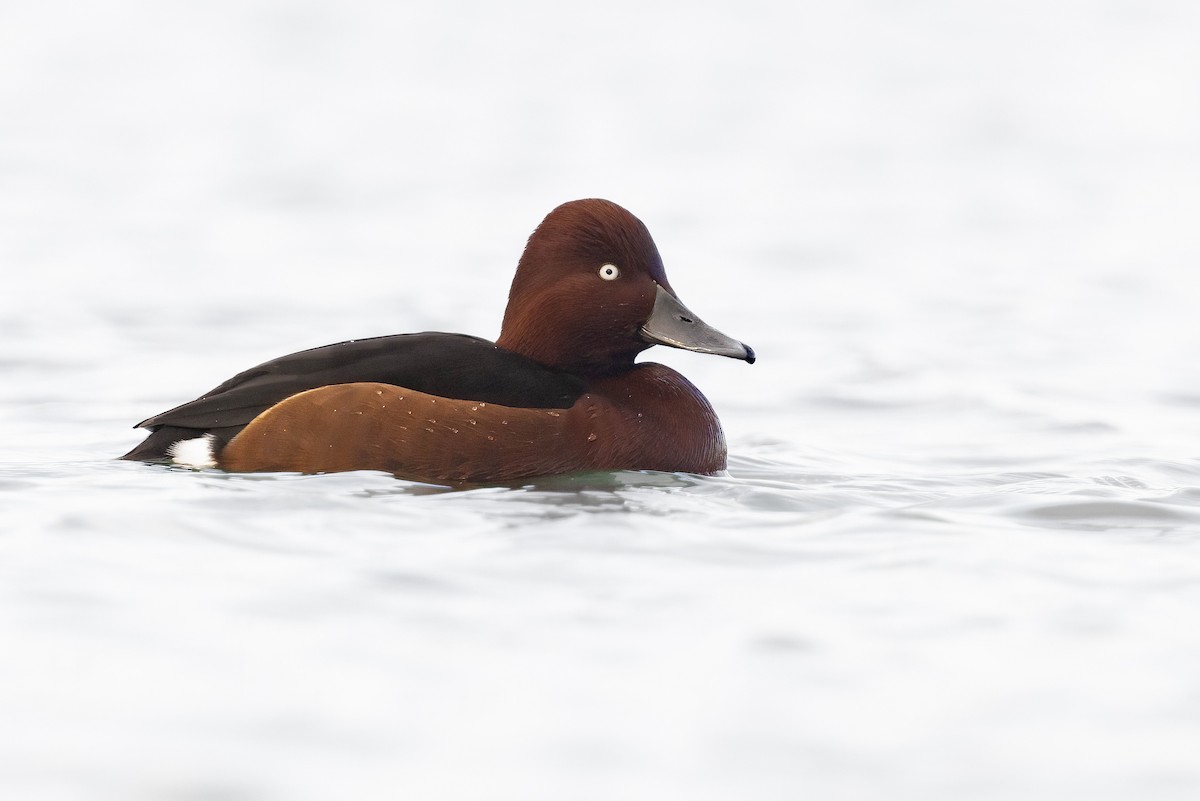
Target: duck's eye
609,272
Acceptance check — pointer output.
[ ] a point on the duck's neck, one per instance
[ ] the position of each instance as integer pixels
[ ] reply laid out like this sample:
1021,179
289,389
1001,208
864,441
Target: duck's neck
567,349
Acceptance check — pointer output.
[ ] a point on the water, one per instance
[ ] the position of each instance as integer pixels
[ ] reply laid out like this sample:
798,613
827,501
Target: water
957,553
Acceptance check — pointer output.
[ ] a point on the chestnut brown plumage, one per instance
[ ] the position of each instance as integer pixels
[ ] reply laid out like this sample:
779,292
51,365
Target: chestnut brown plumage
558,392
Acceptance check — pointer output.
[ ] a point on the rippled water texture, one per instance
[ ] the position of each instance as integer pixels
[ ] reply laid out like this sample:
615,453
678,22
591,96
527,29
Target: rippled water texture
957,552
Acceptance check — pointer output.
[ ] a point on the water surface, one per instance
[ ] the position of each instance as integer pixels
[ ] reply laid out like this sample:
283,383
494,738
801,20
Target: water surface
957,551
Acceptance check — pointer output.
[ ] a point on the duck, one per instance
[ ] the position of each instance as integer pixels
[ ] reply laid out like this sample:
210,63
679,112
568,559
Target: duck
558,392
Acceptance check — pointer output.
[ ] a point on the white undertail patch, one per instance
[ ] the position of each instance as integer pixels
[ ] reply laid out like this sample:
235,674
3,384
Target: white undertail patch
196,452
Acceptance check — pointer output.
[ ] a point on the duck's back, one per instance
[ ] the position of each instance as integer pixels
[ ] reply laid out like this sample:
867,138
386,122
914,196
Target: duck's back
445,365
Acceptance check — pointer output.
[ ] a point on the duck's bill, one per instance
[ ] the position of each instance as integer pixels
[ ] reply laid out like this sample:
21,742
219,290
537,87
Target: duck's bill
673,324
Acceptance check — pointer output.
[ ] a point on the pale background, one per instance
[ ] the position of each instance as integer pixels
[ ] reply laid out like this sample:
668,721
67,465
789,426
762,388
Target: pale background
957,553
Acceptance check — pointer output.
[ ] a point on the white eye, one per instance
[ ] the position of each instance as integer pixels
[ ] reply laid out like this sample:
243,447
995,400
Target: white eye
609,272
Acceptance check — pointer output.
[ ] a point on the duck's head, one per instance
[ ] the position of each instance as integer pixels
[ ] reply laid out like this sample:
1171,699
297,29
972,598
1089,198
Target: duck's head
590,294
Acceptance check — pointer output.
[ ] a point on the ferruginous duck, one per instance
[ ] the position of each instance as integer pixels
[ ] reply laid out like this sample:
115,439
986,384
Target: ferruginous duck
558,392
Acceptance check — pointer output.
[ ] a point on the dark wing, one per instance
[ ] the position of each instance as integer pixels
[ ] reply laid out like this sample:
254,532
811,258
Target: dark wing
447,365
